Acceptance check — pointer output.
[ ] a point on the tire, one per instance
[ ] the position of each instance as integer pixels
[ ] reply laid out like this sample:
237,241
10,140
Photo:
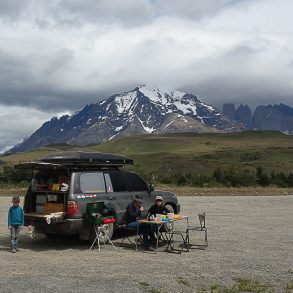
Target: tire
107,230
168,226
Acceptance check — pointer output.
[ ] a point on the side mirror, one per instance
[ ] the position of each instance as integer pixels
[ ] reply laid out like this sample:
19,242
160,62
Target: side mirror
152,187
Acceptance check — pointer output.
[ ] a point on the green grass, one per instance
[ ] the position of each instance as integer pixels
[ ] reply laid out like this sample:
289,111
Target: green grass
289,287
191,152
147,288
183,282
240,286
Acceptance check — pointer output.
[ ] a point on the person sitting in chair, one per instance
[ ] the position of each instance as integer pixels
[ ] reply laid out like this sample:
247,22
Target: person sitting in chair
158,207
133,213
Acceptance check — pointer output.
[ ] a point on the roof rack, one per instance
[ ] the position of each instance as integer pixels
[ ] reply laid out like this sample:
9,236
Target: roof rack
77,160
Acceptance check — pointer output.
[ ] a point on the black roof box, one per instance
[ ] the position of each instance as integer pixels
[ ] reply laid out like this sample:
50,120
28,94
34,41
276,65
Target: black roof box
76,159
86,158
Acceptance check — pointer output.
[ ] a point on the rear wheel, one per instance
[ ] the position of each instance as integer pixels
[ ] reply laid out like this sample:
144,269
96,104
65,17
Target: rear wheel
105,231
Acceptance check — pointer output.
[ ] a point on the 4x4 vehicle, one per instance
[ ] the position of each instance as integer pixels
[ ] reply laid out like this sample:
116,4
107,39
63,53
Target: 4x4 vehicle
64,183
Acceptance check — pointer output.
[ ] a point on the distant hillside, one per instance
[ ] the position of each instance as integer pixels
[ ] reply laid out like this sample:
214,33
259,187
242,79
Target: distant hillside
140,111
191,152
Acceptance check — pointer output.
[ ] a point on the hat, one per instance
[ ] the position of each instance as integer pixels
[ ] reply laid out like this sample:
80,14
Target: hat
158,197
137,198
16,198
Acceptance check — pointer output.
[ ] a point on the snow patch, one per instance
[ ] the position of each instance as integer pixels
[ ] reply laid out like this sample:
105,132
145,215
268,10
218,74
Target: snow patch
113,136
124,102
118,128
147,129
165,127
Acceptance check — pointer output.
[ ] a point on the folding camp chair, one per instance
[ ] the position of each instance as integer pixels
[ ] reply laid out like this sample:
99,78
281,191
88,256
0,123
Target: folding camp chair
201,228
95,218
128,230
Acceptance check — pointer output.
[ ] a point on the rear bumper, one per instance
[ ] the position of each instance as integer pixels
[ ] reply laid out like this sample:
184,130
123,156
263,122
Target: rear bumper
68,227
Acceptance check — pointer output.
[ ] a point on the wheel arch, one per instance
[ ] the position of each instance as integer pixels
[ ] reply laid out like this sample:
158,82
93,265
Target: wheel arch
173,206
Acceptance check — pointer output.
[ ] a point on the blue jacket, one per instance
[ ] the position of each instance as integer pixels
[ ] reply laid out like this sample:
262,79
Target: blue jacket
15,216
132,213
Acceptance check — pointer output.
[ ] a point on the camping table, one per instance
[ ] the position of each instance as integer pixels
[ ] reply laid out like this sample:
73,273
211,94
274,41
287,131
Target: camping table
171,233
160,223
150,222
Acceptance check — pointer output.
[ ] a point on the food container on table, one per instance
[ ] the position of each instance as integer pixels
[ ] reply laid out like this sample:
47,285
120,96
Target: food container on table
159,216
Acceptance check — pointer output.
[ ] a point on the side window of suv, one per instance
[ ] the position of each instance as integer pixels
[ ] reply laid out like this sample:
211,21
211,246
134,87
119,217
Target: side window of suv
135,183
92,182
115,182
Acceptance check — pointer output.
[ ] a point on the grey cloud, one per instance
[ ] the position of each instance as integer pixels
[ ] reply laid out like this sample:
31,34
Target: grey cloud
238,75
193,9
34,80
53,81
290,64
126,12
10,9
130,12
76,12
58,60
17,123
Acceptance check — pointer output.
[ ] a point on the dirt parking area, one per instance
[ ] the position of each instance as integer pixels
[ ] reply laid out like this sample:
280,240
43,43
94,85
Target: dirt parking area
249,237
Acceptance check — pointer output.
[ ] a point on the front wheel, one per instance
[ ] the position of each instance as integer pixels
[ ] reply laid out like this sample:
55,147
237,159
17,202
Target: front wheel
105,233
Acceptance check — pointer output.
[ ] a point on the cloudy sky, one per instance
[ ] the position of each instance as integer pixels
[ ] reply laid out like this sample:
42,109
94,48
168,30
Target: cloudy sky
58,55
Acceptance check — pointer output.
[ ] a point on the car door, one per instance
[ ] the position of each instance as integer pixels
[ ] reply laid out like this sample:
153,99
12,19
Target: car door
117,193
137,186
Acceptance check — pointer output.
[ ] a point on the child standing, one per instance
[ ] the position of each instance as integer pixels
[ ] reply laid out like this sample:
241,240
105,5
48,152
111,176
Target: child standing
15,221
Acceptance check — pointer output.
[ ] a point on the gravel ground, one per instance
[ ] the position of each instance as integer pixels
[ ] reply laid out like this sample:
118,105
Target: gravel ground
249,237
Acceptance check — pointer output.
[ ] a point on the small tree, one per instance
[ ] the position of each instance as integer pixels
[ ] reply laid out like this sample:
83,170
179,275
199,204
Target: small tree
289,180
262,178
218,175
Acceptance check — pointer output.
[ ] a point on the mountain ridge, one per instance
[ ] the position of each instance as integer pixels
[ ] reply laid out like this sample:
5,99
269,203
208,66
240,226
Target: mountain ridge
265,117
139,111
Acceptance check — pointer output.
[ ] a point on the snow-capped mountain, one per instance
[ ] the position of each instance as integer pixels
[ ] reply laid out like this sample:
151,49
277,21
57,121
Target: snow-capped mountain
139,111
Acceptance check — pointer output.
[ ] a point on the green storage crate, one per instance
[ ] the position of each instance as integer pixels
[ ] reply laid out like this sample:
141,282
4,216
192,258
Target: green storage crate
92,211
95,207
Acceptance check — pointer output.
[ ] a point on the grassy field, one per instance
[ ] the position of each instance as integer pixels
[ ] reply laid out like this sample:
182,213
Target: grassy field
191,152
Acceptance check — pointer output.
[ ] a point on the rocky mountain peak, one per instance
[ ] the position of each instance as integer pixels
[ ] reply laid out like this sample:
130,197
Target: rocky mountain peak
142,110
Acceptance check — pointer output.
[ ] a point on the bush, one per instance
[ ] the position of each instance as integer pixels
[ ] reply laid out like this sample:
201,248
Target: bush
262,178
230,178
10,175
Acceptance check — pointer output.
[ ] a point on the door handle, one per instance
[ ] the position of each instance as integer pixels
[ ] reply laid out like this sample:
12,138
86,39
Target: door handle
111,197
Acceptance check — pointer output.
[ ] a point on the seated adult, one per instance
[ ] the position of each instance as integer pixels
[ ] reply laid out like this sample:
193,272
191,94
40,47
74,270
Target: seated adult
133,213
157,208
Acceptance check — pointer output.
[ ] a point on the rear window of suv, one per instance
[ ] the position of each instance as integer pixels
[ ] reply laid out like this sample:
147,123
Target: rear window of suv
92,182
